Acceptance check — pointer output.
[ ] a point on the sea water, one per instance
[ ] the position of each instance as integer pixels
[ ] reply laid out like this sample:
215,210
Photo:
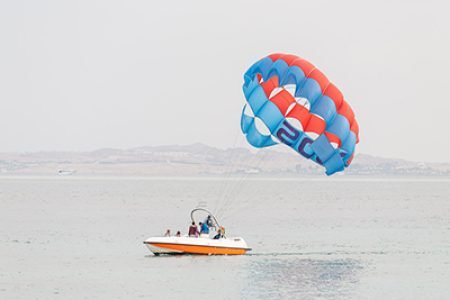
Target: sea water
339,238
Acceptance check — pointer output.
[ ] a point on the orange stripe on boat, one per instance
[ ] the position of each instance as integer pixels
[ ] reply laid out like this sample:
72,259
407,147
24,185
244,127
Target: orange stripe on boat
196,249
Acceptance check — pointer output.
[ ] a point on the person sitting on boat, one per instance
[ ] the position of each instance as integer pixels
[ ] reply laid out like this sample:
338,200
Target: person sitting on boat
220,233
178,234
167,232
193,230
204,229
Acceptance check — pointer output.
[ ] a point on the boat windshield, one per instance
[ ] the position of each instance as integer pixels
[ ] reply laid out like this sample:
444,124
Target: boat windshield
206,217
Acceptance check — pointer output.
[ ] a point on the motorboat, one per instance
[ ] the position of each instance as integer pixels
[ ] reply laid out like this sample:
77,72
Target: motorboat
203,244
66,172
199,245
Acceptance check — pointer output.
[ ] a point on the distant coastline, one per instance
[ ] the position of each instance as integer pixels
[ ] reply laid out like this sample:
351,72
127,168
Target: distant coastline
200,160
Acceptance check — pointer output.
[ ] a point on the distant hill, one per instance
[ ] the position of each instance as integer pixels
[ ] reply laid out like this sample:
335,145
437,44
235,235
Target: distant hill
199,160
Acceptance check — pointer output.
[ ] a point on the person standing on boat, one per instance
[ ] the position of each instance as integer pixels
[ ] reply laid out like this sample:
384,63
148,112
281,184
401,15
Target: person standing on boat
209,221
193,230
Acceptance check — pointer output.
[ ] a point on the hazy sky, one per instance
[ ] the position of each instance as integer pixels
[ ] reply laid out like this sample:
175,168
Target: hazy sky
80,75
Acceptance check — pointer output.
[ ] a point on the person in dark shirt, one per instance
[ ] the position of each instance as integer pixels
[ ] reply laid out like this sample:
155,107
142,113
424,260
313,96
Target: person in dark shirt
220,233
193,230
209,221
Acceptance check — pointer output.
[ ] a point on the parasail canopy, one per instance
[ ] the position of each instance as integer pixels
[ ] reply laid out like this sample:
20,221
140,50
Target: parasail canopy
290,101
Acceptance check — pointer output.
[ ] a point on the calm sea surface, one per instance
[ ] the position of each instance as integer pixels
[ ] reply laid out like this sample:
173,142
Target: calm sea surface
81,238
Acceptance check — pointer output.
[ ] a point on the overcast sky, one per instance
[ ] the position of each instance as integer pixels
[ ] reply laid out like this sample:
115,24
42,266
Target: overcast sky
80,75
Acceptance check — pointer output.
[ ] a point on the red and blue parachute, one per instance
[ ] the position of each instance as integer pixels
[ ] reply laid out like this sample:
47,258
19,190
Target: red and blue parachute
290,101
